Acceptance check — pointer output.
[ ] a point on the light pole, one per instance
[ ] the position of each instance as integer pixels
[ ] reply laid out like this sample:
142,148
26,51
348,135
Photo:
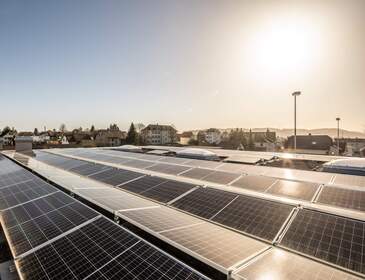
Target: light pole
338,135
295,94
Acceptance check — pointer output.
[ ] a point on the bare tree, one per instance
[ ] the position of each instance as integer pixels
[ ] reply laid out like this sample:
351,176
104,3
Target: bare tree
63,128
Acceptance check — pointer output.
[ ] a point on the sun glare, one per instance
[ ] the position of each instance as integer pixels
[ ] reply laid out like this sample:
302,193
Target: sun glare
282,47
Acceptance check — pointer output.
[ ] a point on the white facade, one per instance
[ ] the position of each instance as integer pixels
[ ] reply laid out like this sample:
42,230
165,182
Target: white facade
159,134
213,136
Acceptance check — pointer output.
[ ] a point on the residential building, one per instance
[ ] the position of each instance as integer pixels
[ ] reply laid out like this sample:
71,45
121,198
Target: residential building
155,134
9,138
110,137
318,144
351,146
213,136
186,137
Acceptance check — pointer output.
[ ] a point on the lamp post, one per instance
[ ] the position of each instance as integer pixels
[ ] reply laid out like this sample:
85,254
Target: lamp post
295,94
338,135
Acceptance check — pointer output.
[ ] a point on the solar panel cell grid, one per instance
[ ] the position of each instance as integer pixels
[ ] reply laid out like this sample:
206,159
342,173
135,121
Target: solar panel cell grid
167,191
346,198
160,218
145,262
143,184
114,200
255,183
88,169
204,202
297,190
34,232
197,173
116,177
332,238
221,177
255,216
136,163
222,247
282,265
168,168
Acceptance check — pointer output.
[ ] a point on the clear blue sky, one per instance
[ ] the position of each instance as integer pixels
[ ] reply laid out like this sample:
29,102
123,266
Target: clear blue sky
193,63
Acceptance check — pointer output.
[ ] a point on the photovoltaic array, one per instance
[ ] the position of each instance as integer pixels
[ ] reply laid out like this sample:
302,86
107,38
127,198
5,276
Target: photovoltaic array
319,235
53,236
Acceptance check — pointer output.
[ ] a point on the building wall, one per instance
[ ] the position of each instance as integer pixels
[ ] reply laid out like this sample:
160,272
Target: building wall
159,135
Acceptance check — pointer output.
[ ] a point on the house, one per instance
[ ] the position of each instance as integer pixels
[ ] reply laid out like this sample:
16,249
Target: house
213,136
351,146
9,138
110,137
186,137
155,134
318,144
41,138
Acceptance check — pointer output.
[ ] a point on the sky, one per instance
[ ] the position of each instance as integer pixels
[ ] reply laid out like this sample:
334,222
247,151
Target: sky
192,63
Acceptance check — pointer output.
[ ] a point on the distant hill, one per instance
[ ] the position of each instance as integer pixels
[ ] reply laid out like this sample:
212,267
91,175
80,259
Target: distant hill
332,132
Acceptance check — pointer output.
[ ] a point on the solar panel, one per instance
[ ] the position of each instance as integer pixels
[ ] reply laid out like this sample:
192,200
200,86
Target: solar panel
114,200
255,183
14,177
255,216
349,180
292,189
204,202
197,173
33,209
160,218
34,232
115,176
136,163
332,238
143,261
346,198
98,249
143,184
203,163
167,191
24,192
221,177
222,248
88,169
174,160
73,163
168,168
297,175
231,167
280,264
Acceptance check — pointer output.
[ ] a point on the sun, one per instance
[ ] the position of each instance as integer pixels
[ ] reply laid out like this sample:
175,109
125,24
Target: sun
283,46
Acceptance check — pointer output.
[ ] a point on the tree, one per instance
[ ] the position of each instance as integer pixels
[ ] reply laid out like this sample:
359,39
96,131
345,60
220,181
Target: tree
250,141
5,131
36,132
132,136
63,128
92,129
113,127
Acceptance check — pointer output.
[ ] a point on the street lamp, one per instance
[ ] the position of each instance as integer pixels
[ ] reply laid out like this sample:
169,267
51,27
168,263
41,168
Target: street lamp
338,135
295,94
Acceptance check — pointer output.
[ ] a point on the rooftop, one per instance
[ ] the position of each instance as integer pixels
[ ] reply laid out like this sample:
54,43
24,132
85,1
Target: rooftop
211,219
